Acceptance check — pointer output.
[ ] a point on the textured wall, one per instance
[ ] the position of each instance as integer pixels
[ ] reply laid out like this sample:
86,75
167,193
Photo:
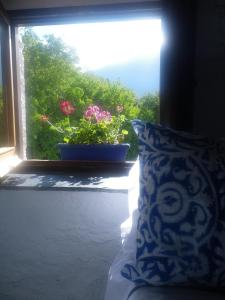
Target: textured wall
58,245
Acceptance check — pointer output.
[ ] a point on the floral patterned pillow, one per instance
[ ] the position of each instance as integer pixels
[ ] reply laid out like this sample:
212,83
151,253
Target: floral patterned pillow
181,228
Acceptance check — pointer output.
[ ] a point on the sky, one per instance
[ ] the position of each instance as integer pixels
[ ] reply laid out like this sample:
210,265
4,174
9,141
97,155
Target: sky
108,43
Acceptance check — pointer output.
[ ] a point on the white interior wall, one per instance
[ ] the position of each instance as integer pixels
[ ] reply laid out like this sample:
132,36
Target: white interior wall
58,245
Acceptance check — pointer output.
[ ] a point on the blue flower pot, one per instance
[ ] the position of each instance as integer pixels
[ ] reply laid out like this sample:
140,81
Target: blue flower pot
94,152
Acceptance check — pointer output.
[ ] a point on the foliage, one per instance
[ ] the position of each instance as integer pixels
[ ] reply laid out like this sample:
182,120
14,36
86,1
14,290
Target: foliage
95,127
49,69
149,108
52,73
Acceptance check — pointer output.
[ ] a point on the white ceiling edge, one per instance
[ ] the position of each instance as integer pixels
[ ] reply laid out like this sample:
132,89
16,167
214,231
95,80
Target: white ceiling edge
31,4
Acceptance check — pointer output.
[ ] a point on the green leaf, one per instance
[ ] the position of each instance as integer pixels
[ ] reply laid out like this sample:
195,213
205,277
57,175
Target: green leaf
125,132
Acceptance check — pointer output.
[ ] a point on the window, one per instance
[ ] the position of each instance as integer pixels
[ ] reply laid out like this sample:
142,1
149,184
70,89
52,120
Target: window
177,60
90,14
111,17
113,64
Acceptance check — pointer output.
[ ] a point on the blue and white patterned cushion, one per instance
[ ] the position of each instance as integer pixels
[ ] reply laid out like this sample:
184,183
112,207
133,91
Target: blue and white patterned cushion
181,228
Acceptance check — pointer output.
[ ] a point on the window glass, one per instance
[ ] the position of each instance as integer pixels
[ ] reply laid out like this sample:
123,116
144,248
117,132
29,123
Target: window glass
111,65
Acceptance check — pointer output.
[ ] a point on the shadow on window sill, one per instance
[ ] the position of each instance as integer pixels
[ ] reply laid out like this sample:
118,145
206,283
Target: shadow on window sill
70,175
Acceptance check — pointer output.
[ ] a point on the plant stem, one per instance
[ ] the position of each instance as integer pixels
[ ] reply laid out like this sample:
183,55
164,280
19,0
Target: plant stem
68,119
56,128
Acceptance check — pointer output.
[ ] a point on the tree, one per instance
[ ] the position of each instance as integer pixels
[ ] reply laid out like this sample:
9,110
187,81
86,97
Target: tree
149,108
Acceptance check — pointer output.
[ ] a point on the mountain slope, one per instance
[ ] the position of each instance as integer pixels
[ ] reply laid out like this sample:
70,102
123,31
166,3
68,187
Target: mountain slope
142,76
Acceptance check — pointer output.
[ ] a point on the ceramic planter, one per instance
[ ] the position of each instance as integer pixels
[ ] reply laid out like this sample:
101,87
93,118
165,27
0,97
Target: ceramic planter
94,152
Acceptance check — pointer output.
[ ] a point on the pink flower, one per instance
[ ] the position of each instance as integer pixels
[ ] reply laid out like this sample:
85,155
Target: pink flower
91,112
88,114
44,118
95,108
94,112
66,107
103,116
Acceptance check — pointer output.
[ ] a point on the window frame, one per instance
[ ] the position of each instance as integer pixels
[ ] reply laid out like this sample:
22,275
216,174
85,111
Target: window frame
9,147
54,16
85,13
177,64
179,24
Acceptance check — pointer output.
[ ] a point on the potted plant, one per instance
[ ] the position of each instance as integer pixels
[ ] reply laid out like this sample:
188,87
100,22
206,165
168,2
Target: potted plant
97,136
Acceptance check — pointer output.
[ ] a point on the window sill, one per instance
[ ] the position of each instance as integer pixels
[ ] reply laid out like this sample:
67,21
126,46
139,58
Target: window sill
70,166
8,162
71,175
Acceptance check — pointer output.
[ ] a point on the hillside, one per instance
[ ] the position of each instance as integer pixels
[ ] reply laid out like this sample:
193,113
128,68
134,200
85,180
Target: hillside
142,76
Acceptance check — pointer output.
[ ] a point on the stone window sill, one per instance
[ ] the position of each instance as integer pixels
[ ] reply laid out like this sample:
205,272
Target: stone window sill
81,176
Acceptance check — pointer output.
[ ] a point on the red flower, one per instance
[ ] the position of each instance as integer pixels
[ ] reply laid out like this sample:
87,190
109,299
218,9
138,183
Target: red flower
66,107
44,118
